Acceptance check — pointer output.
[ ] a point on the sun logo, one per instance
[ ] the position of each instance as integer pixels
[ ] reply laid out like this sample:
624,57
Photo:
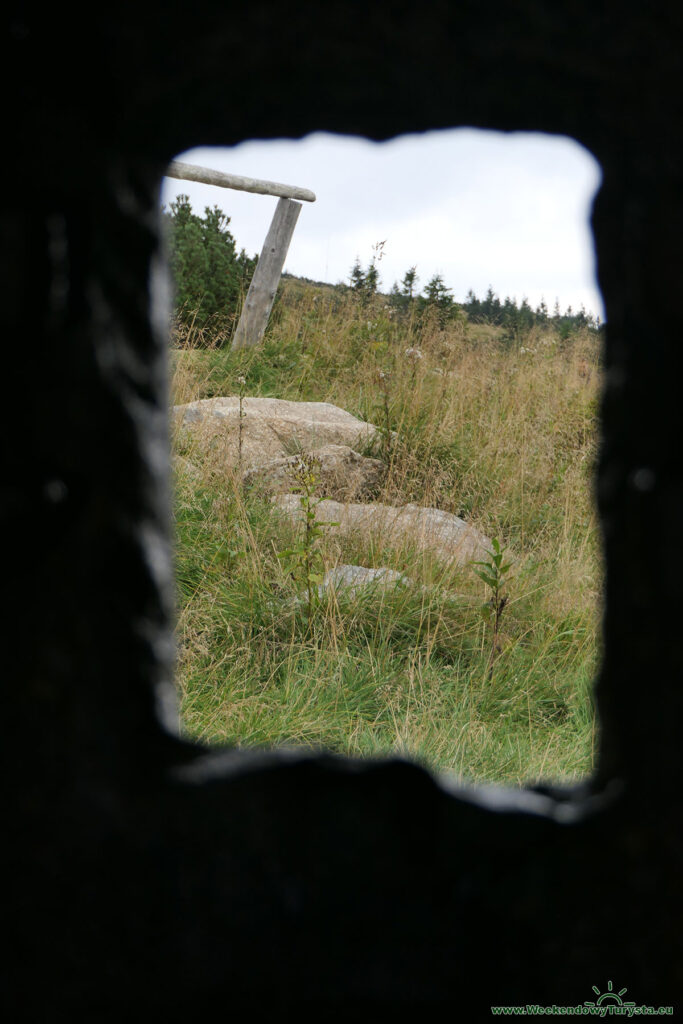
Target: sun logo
610,996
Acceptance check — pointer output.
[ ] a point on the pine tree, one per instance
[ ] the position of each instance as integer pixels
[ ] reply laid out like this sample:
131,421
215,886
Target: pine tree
409,282
366,282
436,291
439,297
371,279
526,314
473,307
357,276
491,307
510,318
397,300
210,278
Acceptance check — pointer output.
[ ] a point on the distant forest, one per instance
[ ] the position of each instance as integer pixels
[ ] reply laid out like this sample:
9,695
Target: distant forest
211,277
436,296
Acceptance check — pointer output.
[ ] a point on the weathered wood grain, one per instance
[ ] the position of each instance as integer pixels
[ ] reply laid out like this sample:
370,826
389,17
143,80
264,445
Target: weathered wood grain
190,172
261,294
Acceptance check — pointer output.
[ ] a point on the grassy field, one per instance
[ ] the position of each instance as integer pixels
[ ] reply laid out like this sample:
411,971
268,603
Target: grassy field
500,431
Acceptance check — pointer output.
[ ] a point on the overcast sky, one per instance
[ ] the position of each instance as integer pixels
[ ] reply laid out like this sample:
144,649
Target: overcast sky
480,208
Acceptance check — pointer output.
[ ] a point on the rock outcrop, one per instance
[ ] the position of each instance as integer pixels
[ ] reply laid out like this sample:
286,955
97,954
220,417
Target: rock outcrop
349,580
271,427
447,536
341,474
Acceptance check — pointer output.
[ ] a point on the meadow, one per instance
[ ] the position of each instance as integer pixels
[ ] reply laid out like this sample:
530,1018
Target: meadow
496,427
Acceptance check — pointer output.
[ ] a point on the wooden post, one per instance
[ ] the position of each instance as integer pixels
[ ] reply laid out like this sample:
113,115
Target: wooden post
261,295
190,172
259,301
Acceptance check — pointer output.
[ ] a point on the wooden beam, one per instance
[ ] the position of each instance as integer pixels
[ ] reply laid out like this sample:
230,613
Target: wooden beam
259,301
189,172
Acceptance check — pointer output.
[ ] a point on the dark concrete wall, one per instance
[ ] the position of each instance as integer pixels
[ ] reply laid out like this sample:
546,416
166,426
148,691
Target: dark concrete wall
143,870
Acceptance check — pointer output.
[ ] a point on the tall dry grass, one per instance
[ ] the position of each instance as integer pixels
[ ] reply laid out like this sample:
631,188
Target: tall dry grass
501,431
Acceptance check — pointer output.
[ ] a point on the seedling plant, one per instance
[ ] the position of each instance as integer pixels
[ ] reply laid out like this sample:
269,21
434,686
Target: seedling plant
494,574
304,560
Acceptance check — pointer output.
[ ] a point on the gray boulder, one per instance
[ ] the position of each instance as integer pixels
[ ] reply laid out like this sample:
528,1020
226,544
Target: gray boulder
349,580
443,534
271,428
342,473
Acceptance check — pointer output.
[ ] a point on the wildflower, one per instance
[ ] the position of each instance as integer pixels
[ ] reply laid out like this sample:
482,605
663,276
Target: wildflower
413,353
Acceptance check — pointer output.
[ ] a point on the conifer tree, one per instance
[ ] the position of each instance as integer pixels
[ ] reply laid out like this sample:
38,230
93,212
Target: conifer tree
366,282
436,291
439,297
409,282
371,279
210,278
357,276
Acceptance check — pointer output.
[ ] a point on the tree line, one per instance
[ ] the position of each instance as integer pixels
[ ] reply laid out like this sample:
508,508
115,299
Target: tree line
438,298
211,278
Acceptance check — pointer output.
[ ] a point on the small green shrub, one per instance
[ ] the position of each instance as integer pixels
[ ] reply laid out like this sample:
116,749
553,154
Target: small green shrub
494,575
304,560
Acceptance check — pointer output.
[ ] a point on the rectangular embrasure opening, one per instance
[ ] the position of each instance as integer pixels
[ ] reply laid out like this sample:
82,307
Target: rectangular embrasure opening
386,539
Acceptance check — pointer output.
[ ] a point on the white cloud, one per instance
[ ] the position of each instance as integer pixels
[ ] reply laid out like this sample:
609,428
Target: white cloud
480,208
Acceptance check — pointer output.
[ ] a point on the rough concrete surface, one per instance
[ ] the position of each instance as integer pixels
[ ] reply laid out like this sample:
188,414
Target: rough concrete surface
147,876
